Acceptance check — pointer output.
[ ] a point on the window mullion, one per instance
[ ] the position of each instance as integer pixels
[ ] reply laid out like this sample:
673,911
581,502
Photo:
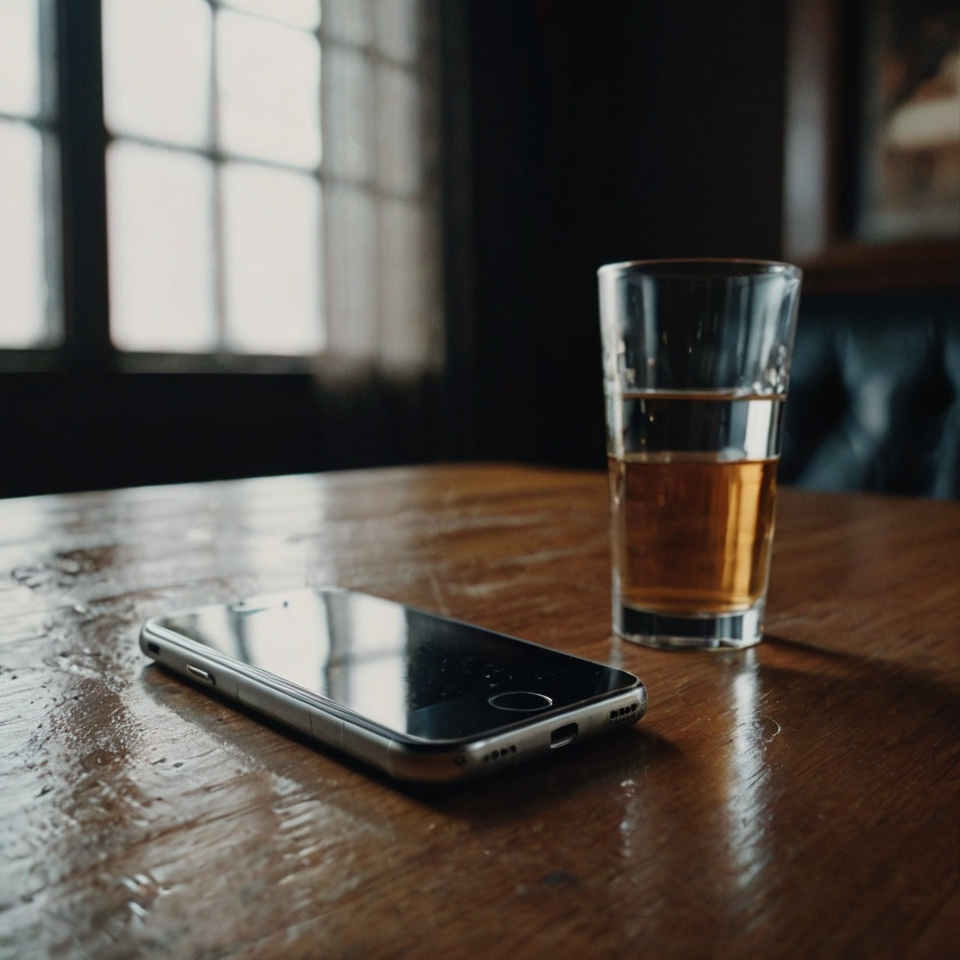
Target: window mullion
83,184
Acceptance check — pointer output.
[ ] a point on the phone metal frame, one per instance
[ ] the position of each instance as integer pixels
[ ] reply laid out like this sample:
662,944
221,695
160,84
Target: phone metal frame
401,756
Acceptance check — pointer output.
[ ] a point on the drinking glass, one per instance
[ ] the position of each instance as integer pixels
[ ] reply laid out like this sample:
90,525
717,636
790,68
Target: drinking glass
696,359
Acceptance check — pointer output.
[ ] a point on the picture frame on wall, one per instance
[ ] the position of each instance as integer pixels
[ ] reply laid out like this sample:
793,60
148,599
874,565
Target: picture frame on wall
910,142
872,144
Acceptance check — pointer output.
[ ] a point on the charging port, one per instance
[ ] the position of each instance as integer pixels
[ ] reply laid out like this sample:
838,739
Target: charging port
564,735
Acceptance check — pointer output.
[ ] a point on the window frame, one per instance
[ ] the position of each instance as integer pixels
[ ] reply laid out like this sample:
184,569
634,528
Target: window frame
81,283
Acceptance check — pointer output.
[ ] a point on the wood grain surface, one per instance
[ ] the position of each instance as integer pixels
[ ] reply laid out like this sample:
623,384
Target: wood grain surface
798,799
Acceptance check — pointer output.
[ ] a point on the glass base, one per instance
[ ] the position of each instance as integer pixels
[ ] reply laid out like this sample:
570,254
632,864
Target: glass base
702,632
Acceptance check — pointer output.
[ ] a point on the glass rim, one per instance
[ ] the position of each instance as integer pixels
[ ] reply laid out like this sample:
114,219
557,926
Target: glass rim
722,266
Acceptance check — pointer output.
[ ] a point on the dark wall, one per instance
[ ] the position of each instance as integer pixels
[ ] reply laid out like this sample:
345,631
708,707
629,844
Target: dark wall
619,130
70,431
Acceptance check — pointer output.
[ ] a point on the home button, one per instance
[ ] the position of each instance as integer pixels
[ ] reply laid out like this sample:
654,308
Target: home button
522,700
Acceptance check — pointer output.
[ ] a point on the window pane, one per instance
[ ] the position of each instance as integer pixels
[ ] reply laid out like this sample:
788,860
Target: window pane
272,260
268,78
156,62
350,21
398,131
407,273
348,114
22,287
19,58
351,273
160,207
298,13
396,27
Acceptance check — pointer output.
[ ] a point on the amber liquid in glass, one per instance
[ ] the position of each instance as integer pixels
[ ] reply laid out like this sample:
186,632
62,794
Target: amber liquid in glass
694,534
693,496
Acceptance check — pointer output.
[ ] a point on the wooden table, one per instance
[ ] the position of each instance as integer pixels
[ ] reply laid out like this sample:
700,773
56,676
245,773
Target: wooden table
800,799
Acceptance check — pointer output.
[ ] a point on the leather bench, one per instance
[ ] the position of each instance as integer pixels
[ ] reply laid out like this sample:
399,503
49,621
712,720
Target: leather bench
875,397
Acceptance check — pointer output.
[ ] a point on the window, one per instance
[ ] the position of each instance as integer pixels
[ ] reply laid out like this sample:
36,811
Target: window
270,174
29,172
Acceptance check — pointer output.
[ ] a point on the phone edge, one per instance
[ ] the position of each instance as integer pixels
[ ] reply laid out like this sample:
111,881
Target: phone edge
404,761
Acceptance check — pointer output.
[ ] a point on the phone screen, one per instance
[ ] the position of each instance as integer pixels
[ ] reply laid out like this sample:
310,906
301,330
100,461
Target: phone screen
406,670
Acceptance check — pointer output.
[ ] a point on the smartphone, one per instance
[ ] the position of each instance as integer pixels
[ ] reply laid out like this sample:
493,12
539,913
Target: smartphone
419,696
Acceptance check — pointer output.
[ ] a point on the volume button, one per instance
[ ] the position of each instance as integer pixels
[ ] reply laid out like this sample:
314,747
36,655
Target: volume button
201,674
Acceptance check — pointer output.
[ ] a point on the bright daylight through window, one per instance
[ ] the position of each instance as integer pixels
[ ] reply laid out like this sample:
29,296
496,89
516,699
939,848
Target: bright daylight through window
271,184
29,259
